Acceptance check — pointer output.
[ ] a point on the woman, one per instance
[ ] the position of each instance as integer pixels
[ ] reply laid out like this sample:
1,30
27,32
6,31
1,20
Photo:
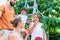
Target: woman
19,31
37,32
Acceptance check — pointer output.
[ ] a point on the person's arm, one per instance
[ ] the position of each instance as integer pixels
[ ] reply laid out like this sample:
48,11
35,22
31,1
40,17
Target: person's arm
0,14
45,37
1,10
31,27
12,37
25,35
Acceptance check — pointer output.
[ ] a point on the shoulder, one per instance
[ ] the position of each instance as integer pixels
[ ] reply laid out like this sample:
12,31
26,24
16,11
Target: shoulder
26,16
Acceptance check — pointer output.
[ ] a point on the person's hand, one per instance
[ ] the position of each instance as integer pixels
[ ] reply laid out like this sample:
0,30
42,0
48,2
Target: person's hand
35,22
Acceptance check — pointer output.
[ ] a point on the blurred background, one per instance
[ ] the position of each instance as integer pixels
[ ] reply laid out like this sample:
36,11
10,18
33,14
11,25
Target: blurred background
49,11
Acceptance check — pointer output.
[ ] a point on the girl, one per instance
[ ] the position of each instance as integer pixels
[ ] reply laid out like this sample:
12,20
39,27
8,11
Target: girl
19,31
37,32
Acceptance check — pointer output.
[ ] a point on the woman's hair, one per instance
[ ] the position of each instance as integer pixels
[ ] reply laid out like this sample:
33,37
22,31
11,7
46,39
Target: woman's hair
15,21
38,15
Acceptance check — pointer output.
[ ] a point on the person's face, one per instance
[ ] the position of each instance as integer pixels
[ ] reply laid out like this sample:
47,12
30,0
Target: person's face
12,2
35,18
20,25
23,12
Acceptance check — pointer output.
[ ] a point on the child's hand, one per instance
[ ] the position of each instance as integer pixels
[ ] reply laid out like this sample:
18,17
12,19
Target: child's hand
35,23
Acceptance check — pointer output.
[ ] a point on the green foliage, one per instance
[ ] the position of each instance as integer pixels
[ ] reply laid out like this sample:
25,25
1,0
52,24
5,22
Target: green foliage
51,17
50,10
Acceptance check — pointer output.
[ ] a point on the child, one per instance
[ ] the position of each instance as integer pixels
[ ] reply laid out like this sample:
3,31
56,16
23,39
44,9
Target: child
23,16
37,32
19,31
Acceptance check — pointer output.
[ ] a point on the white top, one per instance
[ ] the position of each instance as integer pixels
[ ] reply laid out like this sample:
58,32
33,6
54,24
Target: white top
37,31
23,18
17,35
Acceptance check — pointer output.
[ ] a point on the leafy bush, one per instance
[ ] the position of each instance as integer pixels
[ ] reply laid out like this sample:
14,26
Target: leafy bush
50,15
